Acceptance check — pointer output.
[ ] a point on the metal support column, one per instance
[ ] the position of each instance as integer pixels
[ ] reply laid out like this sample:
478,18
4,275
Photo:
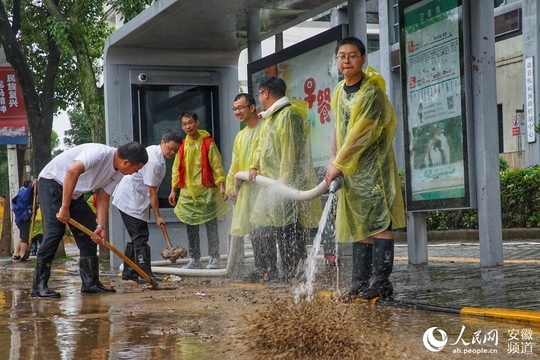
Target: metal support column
417,249
484,103
358,19
253,39
337,17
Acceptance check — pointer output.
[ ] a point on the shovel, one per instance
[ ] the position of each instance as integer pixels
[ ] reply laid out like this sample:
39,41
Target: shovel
109,246
171,253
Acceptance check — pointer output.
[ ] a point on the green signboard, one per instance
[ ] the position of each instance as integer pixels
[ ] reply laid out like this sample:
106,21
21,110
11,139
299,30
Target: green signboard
434,83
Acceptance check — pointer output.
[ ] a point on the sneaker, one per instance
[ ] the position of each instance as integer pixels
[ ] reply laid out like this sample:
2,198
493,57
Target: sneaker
193,264
213,263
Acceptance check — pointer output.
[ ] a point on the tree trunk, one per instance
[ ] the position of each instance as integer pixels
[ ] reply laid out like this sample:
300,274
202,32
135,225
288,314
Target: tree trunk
92,97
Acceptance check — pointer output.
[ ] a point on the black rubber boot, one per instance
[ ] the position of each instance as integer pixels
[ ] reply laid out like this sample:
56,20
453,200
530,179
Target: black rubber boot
128,273
362,257
383,262
89,271
143,260
41,277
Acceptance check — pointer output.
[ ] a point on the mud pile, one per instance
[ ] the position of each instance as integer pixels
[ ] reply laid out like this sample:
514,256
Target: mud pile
321,329
173,253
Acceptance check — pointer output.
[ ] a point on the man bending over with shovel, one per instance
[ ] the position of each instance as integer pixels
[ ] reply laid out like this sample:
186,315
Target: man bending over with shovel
61,185
136,194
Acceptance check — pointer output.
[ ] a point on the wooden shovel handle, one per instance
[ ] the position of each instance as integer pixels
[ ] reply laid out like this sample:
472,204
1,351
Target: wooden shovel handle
166,235
33,217
109,246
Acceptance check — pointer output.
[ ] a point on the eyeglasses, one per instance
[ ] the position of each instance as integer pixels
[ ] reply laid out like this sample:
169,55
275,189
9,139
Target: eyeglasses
342,58
261,91
171,148
240,107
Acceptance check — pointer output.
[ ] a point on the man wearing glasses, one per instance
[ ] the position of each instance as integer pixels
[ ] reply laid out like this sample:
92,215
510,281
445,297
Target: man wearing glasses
284,154
245,143
370,203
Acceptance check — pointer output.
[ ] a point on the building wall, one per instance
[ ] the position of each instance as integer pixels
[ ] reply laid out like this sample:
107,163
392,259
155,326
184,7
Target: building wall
510,78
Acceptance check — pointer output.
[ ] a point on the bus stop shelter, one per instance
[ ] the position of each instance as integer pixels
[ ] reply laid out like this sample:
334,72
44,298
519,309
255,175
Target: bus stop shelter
181,55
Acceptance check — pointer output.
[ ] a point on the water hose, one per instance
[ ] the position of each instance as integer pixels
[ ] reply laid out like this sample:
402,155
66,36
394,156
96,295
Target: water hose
231,260
279,188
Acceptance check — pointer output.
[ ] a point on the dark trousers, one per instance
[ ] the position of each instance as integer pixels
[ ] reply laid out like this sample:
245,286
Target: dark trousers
195,242
50,196
137,229
291,241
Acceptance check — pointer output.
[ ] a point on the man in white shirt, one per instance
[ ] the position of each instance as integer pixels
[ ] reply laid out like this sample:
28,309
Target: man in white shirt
136,194
62,182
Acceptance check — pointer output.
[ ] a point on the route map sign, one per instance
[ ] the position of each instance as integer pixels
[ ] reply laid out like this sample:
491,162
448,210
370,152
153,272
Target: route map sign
433,81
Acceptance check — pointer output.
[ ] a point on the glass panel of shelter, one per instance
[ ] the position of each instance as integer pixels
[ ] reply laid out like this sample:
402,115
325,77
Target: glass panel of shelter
157,108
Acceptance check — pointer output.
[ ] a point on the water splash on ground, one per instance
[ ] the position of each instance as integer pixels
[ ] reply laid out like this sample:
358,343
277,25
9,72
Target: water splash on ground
305,289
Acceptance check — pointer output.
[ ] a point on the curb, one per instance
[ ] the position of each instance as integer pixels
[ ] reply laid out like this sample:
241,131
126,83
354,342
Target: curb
502,313
472,235
515,315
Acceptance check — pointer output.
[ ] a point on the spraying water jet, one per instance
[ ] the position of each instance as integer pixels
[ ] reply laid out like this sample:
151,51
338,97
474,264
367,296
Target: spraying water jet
280,189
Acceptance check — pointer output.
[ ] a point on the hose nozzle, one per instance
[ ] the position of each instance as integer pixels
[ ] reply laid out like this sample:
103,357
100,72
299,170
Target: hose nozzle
336,184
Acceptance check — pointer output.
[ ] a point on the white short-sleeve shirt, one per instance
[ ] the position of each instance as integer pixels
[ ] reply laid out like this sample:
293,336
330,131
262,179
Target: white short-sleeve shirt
99,171
131,196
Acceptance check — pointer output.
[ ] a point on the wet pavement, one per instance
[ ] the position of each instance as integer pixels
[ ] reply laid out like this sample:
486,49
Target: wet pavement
197,317
454,278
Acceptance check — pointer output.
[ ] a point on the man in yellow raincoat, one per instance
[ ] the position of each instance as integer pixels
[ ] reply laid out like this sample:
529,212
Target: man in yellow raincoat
198,172
284,154
245,143
370,203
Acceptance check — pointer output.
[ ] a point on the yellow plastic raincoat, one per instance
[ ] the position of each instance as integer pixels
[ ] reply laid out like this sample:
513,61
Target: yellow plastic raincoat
371,198
198,204
244,147
284,154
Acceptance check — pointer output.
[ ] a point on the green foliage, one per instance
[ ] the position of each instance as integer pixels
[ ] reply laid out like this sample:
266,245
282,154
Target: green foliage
79,133
452,219
503,164
55,141
520,197
520,204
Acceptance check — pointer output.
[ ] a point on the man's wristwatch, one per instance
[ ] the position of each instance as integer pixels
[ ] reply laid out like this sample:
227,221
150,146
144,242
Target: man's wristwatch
101,227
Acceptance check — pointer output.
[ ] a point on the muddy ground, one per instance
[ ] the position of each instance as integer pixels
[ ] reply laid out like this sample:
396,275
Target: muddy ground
216,318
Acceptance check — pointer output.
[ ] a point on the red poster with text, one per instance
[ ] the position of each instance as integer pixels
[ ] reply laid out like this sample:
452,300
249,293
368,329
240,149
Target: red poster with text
13,120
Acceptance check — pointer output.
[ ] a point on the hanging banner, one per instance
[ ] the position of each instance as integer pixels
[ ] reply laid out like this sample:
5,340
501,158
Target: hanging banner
13,120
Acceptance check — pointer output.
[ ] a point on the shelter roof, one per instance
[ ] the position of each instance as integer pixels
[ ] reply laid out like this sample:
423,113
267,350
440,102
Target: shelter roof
213,24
